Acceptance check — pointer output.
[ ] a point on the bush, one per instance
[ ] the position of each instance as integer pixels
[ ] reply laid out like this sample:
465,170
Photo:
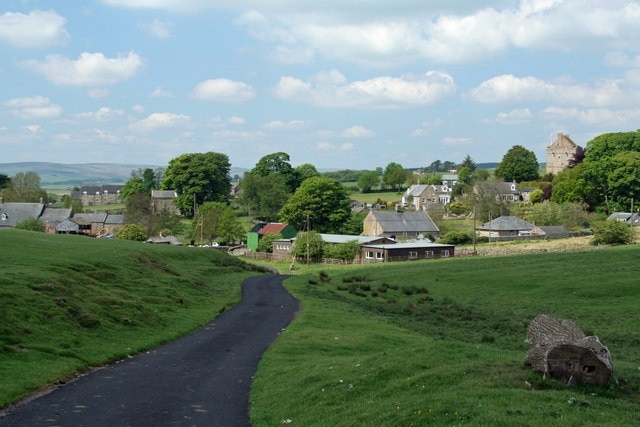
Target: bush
30,224
136,232
456,238
611,232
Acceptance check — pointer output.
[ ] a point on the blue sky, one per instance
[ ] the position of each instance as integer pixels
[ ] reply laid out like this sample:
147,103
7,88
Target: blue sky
336,83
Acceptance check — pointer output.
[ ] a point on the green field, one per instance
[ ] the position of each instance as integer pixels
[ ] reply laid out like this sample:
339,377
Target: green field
437,342
442,343
69,302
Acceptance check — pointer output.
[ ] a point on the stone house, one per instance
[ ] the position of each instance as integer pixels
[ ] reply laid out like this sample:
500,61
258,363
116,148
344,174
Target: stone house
14,213
399,225
96,195
163,200
559,153
506,226
56,220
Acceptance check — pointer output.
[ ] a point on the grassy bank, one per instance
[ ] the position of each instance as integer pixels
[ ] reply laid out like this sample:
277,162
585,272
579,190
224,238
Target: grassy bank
70,302
442,343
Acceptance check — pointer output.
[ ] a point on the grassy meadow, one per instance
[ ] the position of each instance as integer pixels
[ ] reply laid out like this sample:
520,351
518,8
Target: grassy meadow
437,342
442,342
69,302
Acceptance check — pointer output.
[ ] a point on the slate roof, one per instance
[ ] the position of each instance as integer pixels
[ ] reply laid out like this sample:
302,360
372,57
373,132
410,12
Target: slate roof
14,213
163,194
344,238
92,217
416,190
405,222
506,223
114,219
55,214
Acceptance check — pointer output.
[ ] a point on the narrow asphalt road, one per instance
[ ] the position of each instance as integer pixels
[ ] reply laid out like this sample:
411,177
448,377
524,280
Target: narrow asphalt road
202,379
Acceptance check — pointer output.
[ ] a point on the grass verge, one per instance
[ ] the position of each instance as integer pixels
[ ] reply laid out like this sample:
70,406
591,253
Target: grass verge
69,302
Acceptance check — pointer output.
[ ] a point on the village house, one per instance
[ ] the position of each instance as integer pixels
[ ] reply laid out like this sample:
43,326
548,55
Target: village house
14,213
163,200
559,153
407,251
399,224
96,195
57,220
506,226
254,235
421,196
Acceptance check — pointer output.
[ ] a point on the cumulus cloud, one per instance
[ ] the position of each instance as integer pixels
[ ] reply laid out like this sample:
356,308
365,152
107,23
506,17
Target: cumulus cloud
511,89
160,93
594,116
37,107
357,132
450,141
378,92
517,116
157,29
103,114
223,90
38,28
90,69
280,125
157,121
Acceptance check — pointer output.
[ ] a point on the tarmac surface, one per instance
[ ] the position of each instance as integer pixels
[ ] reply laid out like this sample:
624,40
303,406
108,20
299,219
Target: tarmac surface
202,379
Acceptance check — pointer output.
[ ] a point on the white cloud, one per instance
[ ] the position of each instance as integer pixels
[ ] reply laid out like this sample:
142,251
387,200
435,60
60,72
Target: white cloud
98,93
378,92
90,69
157,29
160,93
138,108
157,121
512,89
357,132
37,107
235,120
517,116
223,90
38,28
280,125
103,114
33,129
595,116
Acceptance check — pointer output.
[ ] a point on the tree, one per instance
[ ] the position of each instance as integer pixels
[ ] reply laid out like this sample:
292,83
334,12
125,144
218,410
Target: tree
198,178
265,244
321,200
308,245
24,187
304,171
469,164
264,196
368,180
519,164
395,175
536,196
486,202
609,144
217,221
135,232
137,207
4,181
74,204
611,232
278,163
342,251
131,187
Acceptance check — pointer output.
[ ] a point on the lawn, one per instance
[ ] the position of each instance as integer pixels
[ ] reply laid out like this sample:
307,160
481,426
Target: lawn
441,342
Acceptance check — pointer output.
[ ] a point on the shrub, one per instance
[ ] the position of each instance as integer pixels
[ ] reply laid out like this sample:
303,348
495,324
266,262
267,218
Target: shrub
136,232
456,238
611,232
30,224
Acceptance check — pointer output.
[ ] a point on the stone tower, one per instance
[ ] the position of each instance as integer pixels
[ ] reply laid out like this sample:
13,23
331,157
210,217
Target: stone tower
559,153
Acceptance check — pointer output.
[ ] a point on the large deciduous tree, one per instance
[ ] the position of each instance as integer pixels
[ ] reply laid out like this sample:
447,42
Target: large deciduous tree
217,221
368,180
278,163
395,175
24,187
322,201
198,178
518,164
264,196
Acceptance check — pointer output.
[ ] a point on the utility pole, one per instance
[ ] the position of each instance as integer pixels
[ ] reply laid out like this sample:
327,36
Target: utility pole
307,240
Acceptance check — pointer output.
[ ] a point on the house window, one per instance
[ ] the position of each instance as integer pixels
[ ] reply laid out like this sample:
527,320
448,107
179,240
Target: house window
4,217
379,255
445,253
413,255
368,255
428,254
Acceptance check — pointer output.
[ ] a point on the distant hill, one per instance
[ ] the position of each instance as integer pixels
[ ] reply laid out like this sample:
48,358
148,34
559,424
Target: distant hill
62,175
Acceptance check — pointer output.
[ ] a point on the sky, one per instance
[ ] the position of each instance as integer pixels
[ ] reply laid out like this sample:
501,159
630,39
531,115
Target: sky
340,84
